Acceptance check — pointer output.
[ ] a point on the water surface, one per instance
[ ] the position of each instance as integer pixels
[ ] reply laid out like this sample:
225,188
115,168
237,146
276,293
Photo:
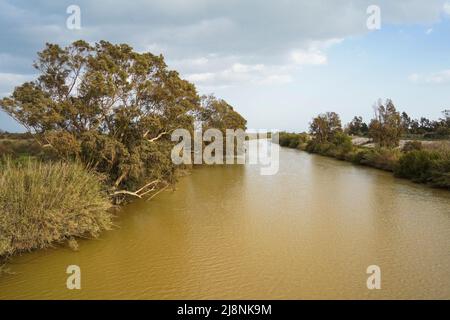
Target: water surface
227,232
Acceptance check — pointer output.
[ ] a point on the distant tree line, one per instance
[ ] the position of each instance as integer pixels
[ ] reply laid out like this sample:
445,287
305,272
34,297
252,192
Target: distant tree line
327,136
386,115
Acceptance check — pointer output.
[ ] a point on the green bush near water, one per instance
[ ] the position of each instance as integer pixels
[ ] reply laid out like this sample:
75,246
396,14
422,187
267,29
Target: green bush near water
293,140
380,158
432,167
46,203
423,166
338,147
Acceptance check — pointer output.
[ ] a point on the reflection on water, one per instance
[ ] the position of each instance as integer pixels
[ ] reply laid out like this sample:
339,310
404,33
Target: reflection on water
227,232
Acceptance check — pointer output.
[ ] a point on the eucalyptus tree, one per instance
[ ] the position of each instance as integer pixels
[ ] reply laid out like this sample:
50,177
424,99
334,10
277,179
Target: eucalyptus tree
386,127
108,106
325,126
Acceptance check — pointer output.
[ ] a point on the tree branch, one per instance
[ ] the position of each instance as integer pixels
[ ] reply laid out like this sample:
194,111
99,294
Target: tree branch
138,193
154,195
127,192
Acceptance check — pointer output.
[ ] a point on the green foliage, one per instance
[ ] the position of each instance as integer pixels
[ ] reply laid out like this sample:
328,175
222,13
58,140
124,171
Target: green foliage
381,158
325,126
293,140
4,135
357,127
106,105
113,109
440,176
43,203
416,165
427,129
343,142
387,127
218,114
426,167
441,132
412,162
17,148
412,145
339,147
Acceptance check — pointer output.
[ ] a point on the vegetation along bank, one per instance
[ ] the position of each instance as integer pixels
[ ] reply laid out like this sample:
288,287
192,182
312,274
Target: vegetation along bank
99,119
384,144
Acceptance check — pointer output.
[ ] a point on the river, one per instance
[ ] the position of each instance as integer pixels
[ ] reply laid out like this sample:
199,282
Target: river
227,232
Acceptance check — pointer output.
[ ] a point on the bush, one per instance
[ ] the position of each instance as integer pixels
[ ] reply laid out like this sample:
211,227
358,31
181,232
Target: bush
340,146
293,140
294,143
442,132
424,166
357,156
314,146
416,165
45,203
343,143
412,145
440,175
20,147
381,158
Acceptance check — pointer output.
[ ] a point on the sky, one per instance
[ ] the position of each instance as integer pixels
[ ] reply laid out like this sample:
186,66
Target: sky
278,62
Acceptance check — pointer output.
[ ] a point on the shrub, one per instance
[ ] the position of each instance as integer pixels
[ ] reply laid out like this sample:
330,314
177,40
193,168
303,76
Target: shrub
294,143
357,156
416,165
412,145
343,142
381,158
43,203
440,175
20,147
442,132
293,140
339,147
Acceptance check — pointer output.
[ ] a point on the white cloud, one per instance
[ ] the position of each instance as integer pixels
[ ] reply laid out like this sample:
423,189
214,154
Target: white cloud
414,77
440,77
10,80
314,53
242,68
447,8
200,77
429,31
219,71
237,74
276,79
309,57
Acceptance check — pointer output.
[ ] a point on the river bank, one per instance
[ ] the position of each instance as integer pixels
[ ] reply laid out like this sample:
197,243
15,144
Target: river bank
226,232
427,163
112,131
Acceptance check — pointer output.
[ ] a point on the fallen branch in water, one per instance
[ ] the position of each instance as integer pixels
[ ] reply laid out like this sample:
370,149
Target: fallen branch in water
159,191
148,185
126,192
140,193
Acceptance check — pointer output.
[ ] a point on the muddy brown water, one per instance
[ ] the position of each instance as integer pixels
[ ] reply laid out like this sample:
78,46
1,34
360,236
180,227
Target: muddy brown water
227,232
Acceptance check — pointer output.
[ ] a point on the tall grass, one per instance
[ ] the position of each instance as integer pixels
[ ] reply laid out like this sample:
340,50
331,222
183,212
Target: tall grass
43,203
